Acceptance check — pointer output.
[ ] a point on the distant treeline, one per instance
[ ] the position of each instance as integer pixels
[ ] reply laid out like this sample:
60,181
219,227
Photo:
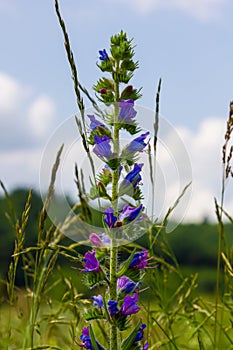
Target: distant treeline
193,244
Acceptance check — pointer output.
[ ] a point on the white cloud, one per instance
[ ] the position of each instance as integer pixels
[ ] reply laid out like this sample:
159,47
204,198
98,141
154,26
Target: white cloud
205,150
12,95
26,118
40,115
20,167
201,9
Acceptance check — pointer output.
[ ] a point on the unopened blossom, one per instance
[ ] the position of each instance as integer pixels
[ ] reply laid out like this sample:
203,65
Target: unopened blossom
112,307
103,55
109,217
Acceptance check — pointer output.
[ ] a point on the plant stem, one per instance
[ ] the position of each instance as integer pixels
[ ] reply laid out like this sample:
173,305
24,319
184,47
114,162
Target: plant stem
114,249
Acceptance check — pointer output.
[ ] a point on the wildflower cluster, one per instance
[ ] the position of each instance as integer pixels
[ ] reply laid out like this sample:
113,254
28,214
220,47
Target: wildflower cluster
118,311
119,180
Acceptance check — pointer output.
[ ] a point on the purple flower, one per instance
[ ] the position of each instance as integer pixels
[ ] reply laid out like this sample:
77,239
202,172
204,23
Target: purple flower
91,263
130,213
146,346
94,122
86,340
124,284
100,240
112,307
139,260
105,239
130,306
127,112
138,144
109,218
102,147
95,240
133,176
140,333
98,300
103,55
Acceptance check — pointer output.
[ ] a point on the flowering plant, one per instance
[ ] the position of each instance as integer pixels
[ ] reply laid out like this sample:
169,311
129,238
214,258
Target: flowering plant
119,181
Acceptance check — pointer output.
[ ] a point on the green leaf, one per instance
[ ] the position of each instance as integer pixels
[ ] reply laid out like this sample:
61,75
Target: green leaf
93,341
94,278
114,163
128,342
124,267
132,128
122,321
94,313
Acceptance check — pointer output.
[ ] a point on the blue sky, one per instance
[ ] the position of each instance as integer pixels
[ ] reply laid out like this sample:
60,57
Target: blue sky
186,43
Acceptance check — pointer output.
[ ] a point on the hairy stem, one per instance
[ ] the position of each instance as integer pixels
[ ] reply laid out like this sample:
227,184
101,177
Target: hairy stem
114,249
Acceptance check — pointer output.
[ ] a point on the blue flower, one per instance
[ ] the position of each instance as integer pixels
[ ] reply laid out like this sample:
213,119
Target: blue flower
140,260
130,213
133,177
137,144
140,333
112,307
86,340
94,122
98,300
101,240
85,337
129,306
127,112
103,55
110,218
124,284
102,147
91,263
